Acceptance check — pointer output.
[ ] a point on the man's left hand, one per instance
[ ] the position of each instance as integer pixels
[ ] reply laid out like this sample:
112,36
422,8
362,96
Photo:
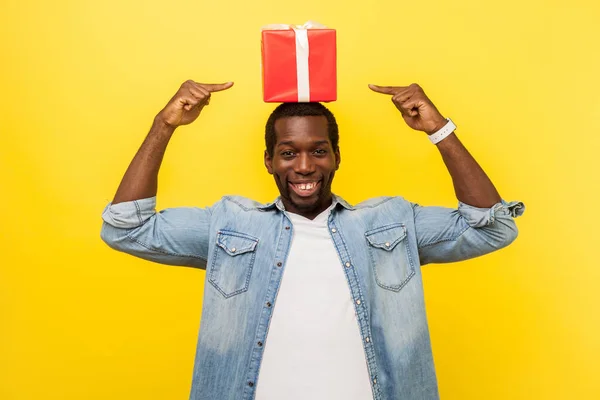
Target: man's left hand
417,110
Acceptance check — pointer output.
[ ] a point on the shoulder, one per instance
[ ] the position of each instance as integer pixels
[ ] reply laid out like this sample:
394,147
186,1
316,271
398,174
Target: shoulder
233,202
383,202
378,212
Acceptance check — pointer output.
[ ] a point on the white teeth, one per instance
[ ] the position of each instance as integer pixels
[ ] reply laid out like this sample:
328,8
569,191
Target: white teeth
306,186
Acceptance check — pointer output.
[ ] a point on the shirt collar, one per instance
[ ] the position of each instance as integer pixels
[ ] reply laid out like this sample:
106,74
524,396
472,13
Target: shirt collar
277,203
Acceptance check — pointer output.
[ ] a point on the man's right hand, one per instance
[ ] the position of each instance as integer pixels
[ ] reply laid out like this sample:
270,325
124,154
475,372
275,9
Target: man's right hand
187,103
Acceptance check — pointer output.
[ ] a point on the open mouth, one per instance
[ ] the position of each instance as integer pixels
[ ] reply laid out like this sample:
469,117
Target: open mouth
305,189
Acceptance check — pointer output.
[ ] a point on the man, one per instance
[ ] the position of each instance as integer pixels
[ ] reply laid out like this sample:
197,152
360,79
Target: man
310,297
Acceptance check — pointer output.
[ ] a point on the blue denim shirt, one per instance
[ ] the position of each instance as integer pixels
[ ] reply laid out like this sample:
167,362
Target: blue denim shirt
243,245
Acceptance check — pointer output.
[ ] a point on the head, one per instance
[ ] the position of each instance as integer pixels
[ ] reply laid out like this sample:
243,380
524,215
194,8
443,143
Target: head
302,154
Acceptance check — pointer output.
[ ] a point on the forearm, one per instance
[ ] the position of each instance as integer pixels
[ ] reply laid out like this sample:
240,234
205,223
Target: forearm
141,178
471,184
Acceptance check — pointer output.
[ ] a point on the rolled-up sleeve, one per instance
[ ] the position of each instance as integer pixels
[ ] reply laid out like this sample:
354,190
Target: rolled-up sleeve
448,235
174,236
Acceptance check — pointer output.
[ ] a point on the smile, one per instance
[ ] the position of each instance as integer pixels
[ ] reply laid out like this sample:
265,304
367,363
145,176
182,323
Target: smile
305,189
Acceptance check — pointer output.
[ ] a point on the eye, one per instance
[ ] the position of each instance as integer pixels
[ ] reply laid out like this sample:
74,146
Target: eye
287,154
320,152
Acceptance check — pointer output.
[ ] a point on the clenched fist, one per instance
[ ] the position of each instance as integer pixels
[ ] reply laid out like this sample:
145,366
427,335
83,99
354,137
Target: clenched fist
417,110
187,103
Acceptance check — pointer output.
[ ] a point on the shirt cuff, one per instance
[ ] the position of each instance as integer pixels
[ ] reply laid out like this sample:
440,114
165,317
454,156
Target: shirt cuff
129,214
479,217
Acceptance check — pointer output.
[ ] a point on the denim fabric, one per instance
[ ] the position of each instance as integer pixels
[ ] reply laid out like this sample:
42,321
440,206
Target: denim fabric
243,246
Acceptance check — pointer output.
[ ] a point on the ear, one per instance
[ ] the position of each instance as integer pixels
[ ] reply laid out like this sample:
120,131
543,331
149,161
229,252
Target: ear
338,158
268,162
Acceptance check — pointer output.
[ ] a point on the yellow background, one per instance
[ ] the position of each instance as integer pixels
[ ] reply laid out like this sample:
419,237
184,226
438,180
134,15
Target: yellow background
80,82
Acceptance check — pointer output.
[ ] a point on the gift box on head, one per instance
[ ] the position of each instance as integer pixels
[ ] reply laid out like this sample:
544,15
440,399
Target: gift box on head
299,63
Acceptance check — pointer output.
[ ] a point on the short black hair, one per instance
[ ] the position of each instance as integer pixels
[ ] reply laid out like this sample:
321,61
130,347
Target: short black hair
286,110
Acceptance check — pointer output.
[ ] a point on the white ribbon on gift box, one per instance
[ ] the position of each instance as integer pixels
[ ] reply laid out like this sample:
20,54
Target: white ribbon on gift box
302,51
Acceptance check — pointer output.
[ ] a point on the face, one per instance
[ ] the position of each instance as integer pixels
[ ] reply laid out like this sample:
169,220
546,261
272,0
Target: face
303,164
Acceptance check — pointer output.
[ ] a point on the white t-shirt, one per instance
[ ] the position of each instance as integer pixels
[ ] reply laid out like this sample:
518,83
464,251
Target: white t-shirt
313,348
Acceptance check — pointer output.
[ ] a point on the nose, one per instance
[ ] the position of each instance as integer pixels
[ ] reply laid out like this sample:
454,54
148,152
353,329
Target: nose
304,164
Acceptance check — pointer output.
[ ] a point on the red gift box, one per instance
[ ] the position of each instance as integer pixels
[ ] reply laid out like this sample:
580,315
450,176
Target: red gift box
299,65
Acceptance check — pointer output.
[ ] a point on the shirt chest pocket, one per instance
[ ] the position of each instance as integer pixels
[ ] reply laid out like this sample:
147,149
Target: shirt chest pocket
232,262
390,256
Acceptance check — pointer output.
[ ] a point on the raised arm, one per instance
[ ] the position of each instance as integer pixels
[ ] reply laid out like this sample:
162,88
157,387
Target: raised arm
483,222
177,236
141,178
471,184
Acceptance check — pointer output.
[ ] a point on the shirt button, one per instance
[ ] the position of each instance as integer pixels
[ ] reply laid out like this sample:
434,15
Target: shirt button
358,302
348,265
333,230
279,264
250,384
387,244
367,339
268,304
233,250
259,344
287,228
375,381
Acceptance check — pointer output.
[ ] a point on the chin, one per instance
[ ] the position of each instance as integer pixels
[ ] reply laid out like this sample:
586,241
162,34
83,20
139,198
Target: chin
306,204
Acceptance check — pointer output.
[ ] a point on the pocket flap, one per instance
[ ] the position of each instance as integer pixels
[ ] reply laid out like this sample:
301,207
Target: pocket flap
386,237
235,243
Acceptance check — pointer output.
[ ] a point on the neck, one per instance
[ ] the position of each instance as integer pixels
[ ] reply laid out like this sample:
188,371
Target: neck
309,213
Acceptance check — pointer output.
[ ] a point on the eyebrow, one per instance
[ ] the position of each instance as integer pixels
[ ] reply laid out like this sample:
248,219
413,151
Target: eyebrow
291,143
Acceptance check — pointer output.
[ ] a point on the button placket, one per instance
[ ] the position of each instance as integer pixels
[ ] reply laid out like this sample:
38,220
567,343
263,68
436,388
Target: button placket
282,247
351,272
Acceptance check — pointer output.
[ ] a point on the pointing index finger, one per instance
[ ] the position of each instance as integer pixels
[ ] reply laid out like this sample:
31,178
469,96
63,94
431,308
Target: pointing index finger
216,87
385,89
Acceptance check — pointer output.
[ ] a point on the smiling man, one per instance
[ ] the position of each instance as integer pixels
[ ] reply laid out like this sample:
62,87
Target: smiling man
309,297
302,154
